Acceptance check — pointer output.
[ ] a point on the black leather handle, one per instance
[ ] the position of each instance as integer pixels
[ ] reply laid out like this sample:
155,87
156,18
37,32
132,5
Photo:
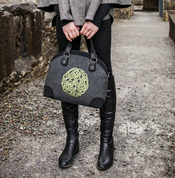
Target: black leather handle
69,48
92,49
93,56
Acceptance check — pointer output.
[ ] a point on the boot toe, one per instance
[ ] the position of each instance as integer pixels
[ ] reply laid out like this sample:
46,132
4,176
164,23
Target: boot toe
66,163
104,163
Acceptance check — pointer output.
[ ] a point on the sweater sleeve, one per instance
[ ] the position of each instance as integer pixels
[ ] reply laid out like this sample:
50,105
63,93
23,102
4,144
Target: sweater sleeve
101,13
64,9
63,22
92,9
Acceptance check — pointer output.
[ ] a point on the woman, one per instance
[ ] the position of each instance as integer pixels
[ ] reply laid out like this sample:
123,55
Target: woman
93,19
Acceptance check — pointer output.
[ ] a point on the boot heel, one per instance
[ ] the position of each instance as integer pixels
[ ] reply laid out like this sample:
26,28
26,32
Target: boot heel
77,150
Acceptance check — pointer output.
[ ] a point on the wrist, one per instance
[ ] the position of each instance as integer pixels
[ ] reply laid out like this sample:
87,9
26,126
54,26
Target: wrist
65,22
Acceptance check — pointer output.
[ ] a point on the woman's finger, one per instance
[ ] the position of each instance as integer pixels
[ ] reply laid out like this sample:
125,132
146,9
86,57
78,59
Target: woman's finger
76,33
82,30
67,36
73,35
70,35
89,32
91,35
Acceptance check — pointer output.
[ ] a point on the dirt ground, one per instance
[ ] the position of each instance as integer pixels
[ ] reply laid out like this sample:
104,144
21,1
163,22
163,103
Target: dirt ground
143,59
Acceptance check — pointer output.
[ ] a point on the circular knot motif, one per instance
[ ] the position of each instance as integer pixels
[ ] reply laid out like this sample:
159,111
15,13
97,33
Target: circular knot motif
75,82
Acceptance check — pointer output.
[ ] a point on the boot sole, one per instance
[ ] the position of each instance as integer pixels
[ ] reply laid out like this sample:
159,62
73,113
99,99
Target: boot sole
101,169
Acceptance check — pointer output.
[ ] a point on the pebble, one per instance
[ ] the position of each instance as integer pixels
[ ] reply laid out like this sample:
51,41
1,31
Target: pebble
162,146
92,172
7,148
124,164
21,128
115,159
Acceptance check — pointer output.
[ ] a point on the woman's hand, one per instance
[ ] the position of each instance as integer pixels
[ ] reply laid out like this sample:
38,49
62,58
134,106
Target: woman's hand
71,31
89,30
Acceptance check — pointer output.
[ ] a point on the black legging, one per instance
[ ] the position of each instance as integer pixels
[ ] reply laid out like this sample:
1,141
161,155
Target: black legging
101,41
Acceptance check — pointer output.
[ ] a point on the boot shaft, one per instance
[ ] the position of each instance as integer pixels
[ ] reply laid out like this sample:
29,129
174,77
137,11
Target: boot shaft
107,112
70,115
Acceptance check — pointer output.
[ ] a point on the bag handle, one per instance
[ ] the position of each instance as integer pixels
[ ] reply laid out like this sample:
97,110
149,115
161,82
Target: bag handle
92,52
69,47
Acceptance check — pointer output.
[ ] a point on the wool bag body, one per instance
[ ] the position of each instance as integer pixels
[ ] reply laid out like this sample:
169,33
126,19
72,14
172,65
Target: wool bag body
77,77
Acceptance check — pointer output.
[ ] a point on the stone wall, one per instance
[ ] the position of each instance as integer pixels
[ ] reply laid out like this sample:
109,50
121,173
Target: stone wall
166,15
169,4
172,27
169,8
125,13
20,33
28,42
138,2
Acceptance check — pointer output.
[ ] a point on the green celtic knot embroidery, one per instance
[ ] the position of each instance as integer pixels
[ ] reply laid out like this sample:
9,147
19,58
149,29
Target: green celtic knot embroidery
75,82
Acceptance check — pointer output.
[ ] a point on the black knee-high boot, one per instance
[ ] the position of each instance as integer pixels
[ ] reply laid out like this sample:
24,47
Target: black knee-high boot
70,115
107,116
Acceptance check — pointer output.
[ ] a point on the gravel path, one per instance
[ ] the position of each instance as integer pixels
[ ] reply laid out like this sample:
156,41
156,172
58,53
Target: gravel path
32,128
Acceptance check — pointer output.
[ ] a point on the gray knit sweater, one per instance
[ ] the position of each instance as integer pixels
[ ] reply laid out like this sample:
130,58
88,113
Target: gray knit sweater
81,10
